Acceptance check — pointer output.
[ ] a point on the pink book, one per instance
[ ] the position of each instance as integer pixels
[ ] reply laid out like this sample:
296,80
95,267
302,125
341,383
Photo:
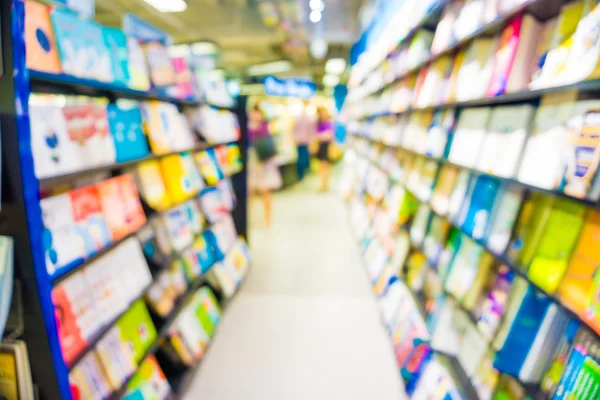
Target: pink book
505,57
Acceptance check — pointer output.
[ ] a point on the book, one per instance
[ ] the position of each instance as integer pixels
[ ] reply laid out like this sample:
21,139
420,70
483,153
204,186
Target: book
503,218
138,70
418,50
88,380
55,151
444,35
556,244
209,166
177,223
580,178
469,19
162,73
463,268
469,136
167,130
89,219
440,200
77,317
121,206
127,133
87,125
115,357
415,133
576,287
543,157
181,177
116,43
137,330
152,187
476,211
503,145
149,382
62,243
494,305
83,52
42,52
476,69
440,129
436,73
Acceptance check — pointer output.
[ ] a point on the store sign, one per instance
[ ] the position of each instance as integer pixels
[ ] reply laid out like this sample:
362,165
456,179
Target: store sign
289,87
144,31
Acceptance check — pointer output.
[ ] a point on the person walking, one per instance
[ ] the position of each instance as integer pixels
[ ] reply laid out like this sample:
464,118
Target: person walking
266,176
304,131
324,137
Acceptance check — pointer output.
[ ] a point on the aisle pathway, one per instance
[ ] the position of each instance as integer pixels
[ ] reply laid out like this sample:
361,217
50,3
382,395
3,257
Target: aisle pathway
305,325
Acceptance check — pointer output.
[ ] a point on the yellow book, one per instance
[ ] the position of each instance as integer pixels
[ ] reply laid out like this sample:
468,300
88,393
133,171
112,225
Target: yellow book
9,381
152,186
182,178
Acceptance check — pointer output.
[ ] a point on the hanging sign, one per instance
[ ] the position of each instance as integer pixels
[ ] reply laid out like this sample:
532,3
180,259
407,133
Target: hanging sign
289,87
144,31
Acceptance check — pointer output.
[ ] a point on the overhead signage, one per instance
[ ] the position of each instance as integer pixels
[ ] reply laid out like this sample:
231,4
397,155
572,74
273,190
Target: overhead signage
144,31
289,87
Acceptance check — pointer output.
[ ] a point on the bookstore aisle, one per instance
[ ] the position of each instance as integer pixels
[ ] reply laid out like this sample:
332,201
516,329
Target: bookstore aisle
304,325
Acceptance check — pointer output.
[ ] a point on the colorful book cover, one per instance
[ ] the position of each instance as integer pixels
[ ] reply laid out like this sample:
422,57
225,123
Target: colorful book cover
137,330
177,223
63,245
127,133
42,53
161,69
55,151
88,381
121,206
89,219
116,359
184,79
476,69
9,380
204,254
530,227
181,176
138,70
526,58
77,317
149,382
167,130
440,200
463,268
477,209
152,186
505,56
439,131
81,47
209,167
88,126
583,158
556,245
576,287
506,135
116,43
494,305
434,80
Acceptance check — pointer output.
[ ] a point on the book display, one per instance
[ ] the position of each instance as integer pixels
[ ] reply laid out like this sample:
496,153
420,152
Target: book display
492,183
124,211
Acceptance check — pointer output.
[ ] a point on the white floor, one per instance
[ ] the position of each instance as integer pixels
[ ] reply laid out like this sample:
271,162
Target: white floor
305,325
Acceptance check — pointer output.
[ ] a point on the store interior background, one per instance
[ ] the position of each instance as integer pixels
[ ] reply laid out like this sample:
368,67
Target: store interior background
452,256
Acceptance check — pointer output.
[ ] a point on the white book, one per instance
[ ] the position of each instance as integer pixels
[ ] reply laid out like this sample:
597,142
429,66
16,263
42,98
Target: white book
505,139
476,70
469,135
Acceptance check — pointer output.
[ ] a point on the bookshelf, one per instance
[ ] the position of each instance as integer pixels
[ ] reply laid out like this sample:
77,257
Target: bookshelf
185,274
444,278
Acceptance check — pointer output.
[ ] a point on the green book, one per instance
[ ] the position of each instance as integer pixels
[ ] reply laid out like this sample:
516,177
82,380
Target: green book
137,330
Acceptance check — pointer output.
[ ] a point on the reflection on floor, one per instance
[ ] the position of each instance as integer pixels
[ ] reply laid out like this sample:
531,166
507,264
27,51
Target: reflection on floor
305,325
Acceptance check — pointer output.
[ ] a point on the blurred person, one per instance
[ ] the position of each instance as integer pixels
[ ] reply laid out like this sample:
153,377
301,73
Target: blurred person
266,176
324,137
304,131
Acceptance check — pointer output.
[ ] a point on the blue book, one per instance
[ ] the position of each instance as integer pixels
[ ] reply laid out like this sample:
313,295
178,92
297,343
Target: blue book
127,133
475,214
571,373
522,334
116,43
83,52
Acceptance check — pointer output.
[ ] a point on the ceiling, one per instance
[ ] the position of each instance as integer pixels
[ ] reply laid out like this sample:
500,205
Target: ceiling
244,33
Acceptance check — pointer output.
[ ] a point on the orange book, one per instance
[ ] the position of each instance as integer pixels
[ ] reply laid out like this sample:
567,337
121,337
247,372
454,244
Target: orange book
576,287
42,54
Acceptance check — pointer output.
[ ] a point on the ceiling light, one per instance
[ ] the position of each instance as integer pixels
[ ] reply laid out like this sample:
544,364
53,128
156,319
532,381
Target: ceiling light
331,80
202,48
335,66
318,48
168,5
317,5
315,16
269,68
